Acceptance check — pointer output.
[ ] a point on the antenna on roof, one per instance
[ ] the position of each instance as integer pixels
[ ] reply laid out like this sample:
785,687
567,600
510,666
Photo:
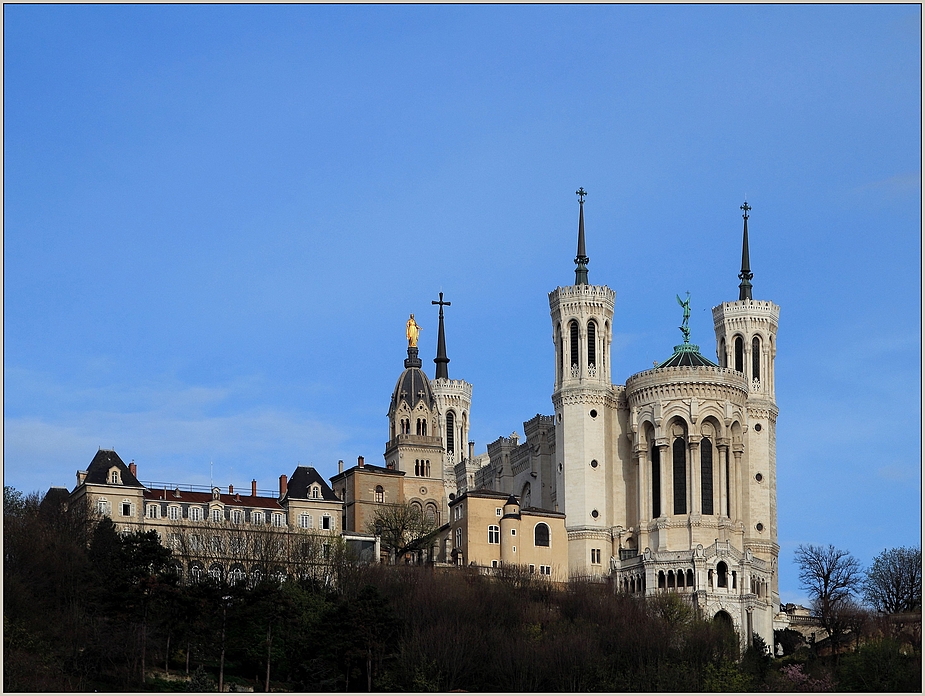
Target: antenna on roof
211,482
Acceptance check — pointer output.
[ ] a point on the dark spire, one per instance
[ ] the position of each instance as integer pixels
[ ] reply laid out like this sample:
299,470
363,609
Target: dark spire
441,358
581,260
745,287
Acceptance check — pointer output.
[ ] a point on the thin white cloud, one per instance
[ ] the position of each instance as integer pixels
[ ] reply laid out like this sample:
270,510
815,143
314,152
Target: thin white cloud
894,187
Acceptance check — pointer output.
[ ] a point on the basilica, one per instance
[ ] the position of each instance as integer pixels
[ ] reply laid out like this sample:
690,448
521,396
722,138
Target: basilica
664,484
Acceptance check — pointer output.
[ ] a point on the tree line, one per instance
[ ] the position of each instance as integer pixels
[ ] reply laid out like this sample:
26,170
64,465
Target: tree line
86,608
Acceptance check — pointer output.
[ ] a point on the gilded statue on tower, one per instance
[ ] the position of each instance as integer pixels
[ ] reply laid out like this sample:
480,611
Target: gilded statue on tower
411,331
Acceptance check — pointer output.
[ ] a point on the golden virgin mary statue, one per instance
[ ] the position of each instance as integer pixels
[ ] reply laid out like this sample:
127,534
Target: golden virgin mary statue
411,331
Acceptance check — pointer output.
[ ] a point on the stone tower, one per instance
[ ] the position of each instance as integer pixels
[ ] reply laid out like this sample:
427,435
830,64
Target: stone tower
415,446
454,402
746,342
585,407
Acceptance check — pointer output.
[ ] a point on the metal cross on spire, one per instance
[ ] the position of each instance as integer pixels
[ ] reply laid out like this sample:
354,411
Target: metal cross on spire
581,259
746,207
441,360
581,193
745,275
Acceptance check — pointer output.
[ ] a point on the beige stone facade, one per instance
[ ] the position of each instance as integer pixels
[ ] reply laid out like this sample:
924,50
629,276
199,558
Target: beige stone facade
489,529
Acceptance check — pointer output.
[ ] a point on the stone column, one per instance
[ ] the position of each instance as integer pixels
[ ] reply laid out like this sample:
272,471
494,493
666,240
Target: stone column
693,450
723,448
737,483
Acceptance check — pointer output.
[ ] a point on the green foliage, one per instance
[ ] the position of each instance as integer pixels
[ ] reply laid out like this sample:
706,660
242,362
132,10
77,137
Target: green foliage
727,677
201,681
881,666
789,640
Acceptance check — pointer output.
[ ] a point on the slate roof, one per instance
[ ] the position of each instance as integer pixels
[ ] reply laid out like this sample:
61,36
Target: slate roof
302,478
174,495
412,387
102,463
687,355
368,467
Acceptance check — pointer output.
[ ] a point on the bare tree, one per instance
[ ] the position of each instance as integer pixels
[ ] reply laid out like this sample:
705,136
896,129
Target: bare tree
403,528
894,581
832,577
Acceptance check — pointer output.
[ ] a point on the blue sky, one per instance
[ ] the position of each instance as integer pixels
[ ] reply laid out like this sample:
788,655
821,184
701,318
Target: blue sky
217,219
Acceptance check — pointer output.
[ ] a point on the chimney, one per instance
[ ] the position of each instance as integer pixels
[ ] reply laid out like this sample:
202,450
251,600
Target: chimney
360,462
340,466
81,475
131,467
471,450
282,485
254,488
230,489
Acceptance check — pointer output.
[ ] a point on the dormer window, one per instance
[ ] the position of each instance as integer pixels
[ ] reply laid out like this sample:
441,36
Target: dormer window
114,477
316,492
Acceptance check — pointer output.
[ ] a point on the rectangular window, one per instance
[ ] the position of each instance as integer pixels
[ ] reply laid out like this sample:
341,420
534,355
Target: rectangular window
173,541
154,511
498,511
195,542
494,564
236,516
216,544
237,545
257,517
513,532
102,507
114,478
596,556
217,515
459,537
195,514
494,534
327,523
126,509
305,521
545,570
173,512
277,519
532,568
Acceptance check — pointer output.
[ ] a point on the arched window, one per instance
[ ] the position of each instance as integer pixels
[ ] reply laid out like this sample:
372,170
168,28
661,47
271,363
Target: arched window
450,432
424,427
316,491
661,579
458,544
722,571
236,575
690,578
573,333
679,461
670,578
541,534
196,572
706,476
722,352
115,477
195,513
756,358
592,345
739,355
656,481
525,495
215,572
380,494
430,513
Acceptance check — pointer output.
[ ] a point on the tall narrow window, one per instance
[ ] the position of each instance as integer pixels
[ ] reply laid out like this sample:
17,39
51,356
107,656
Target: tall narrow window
706,476
592,345
450,432
756,358
679,461
561,349
573,331
380,494
656,482
722,352
740,354
494,534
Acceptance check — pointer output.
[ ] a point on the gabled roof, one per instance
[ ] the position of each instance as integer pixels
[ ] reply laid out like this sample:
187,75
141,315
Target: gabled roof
482,493
99,468
371,468
302,479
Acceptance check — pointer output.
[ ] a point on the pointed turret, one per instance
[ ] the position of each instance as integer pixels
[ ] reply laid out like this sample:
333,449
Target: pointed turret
441,360
745,275
581,259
